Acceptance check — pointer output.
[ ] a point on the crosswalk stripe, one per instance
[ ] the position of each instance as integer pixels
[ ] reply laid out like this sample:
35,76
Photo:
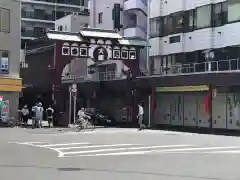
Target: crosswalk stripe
164,151
66,144
197,149
227,152
122,149
96,146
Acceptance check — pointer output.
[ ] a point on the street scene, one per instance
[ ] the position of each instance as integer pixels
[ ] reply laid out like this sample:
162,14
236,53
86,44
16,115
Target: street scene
119,89
117,153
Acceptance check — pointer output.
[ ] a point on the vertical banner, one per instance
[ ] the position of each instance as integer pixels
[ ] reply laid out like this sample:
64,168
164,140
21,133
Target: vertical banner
153,100
5,110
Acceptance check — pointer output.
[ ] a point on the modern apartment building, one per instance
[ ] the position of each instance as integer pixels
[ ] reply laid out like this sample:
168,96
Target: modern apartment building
10,44
196,42
182,31
38,16
132,15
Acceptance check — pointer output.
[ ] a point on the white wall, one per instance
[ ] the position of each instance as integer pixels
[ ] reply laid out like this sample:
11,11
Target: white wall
155,7
208,38
98,6
72,23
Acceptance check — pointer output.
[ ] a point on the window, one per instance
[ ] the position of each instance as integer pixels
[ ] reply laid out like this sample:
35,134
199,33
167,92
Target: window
189,20
233,10
60,28
156,27
203,17
217,18
100,18
220,14
176,22
4,55
174,39
5,20
39,31
165,26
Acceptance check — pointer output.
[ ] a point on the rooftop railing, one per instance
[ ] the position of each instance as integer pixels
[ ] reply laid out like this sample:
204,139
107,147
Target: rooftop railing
230,65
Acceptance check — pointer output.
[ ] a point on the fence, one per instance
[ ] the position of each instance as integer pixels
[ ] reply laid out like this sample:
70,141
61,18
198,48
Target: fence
230,65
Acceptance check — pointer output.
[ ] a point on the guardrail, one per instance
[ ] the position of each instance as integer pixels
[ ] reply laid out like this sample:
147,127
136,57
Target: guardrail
230,65
102,76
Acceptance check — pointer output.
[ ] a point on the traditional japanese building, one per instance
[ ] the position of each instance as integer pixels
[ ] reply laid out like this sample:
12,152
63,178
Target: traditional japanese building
96,60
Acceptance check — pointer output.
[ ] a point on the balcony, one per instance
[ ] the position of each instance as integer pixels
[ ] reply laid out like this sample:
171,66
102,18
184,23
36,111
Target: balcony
136,5
221,66
102,76
135,31
32,16
58,3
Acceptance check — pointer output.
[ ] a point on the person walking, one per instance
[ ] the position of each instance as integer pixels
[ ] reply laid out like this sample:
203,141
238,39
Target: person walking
39,115
33,114
25,115
140,117
49,112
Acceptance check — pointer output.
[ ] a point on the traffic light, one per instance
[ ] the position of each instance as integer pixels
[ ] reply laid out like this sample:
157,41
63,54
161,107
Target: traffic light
116,16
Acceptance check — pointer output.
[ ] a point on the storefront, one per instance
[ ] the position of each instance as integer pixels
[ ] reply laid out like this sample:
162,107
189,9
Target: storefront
9,92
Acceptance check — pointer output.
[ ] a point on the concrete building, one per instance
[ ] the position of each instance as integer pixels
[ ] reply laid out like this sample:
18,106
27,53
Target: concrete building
133,19
196,42
10,83
72,23
38,16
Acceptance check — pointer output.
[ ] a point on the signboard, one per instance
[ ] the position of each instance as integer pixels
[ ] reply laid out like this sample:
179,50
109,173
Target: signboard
117,16
5,110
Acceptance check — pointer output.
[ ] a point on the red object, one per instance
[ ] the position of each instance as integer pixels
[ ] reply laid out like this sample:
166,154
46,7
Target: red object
207,104
153,100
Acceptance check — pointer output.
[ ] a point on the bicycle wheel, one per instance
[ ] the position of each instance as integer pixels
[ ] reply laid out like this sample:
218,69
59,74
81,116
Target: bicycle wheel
90,125
78,128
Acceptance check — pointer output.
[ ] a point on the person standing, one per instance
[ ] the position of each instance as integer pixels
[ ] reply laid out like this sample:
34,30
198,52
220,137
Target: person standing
39,114
34,120
25,115
49,112
140,117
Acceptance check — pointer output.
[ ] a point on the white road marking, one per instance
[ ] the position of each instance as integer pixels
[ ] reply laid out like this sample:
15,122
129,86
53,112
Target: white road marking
225,152
66,144
17,142
96,146
122,149
197,149
173,151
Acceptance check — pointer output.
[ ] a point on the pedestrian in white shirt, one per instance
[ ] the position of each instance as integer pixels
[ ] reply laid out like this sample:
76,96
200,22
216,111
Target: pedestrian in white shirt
140,117
39,114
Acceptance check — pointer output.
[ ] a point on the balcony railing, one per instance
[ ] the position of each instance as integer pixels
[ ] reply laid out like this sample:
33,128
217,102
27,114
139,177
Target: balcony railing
230,65
32,15
102,76
63,3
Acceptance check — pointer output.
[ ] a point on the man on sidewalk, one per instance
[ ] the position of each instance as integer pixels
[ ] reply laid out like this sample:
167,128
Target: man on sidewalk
140,117
39,114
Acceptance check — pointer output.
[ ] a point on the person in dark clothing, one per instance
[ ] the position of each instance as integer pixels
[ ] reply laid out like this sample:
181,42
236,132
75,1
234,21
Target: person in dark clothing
50,112
25,115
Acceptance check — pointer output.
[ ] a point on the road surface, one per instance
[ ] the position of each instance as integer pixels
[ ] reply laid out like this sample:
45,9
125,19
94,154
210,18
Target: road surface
45,154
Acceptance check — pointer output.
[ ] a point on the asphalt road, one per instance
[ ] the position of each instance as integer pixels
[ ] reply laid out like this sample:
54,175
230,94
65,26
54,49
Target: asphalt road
46,154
